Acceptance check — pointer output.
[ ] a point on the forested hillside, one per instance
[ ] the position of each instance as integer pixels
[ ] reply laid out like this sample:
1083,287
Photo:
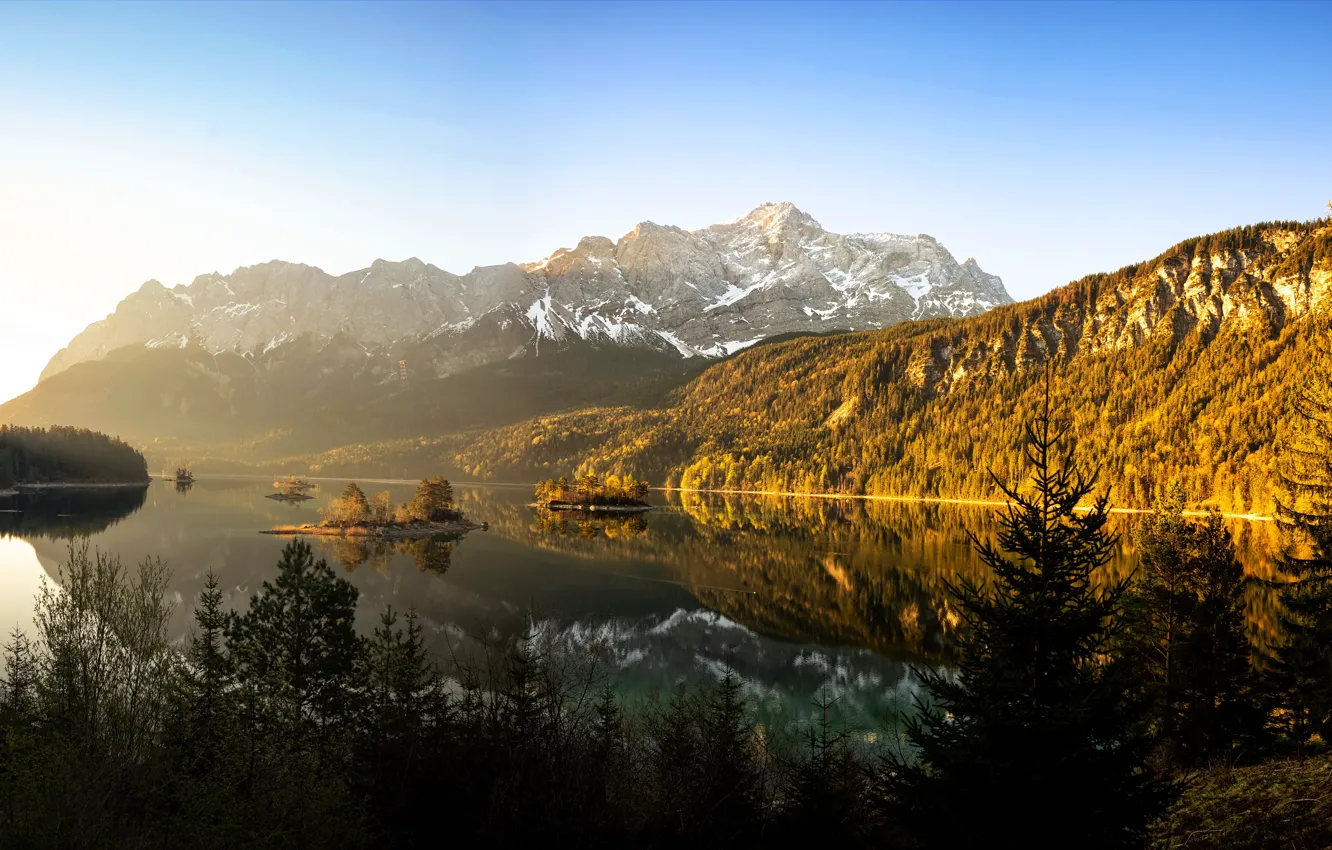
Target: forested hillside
66,455
1176,367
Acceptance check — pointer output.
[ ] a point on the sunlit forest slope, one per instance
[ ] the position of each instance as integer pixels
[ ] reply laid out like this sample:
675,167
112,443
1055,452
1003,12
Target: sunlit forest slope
1174,367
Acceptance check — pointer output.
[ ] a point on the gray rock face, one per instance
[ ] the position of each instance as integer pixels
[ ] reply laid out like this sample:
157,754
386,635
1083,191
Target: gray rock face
704,293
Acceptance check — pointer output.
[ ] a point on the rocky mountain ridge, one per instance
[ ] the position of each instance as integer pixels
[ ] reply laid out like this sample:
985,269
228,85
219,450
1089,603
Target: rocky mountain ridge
708,292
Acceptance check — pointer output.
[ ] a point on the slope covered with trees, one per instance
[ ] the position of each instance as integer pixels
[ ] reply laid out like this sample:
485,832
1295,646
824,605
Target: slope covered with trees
1176,368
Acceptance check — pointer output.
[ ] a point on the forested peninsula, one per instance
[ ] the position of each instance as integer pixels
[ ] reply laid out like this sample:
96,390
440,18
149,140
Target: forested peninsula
65,455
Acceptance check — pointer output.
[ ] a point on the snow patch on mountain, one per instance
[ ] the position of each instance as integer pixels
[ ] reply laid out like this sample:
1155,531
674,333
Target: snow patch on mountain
539,315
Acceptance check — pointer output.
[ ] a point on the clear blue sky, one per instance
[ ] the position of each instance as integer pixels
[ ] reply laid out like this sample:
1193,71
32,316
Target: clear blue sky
1046,140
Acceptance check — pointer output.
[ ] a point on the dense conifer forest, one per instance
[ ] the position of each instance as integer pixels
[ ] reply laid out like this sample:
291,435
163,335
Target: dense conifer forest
61,455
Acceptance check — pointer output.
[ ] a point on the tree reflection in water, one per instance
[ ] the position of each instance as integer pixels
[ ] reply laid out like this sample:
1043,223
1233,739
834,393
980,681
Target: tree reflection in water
64,513
848,572
429,554
588,526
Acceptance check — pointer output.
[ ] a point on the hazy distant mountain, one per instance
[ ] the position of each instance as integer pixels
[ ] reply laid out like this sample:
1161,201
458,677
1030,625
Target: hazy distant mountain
302,397
707,292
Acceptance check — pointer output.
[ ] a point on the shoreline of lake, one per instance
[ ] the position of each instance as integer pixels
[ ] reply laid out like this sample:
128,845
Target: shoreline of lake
939,500
926,500
71,485
389,532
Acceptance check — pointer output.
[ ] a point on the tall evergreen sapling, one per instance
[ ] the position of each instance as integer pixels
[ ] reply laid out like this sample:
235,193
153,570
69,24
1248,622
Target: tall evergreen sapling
702,761
295,652
729,778
1033,740
18,715
404,708
824,799
209,677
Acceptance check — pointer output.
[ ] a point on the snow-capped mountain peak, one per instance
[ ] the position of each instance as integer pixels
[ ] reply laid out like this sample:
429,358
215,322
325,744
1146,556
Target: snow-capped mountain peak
707,292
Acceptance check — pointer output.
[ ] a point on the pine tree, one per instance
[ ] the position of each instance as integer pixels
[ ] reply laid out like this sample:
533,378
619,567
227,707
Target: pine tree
210,675
1165,586
298,641
402,704
729,781
607,759
1303,666
1034,740
402,686
1188,635
588,486
18,716
351,508
433,500
1227,715
823,787
675,750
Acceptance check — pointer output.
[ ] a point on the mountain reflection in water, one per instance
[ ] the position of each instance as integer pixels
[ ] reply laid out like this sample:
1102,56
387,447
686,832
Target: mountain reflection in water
797,595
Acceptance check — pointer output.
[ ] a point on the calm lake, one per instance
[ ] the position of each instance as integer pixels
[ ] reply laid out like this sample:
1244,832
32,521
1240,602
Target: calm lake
800,596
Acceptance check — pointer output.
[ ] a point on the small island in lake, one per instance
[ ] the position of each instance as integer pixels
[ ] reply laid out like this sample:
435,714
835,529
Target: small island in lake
183,475
431,512
292,489
590,492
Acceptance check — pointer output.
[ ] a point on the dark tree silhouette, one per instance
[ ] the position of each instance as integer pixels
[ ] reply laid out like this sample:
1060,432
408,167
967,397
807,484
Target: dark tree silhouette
298,641
1034,741
1188,640
1303,666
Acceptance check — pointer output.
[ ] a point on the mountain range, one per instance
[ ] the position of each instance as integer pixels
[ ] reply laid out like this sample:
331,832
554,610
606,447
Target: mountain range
1178,368
708,292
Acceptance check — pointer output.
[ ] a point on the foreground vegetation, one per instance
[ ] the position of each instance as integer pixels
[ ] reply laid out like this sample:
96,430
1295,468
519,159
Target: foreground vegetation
1075,709
281,727
1286,804
61,455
